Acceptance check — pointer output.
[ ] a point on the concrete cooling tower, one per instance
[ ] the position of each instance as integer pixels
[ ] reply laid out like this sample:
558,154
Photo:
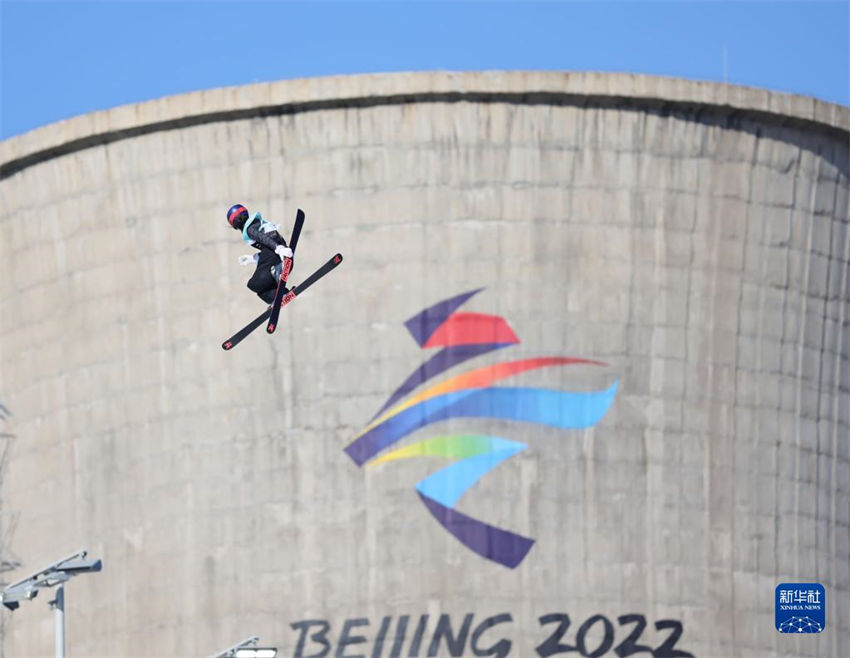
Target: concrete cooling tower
581,385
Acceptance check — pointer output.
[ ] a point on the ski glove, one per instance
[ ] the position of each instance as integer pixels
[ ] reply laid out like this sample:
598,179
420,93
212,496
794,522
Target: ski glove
248,259
283,252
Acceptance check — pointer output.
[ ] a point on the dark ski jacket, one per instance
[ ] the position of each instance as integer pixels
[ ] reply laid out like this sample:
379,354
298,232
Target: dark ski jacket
261,234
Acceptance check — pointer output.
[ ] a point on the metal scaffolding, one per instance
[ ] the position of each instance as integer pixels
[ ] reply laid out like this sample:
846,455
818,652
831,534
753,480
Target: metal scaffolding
8,518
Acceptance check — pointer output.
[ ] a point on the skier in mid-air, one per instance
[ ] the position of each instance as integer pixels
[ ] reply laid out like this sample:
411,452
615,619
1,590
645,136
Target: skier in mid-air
263,236
274,264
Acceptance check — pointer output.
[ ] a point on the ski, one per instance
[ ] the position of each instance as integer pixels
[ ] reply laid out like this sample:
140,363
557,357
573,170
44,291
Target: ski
274,310
240,335
296,230
284,273
306,283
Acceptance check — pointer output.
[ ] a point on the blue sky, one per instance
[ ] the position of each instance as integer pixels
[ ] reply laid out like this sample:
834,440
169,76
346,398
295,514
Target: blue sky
60,59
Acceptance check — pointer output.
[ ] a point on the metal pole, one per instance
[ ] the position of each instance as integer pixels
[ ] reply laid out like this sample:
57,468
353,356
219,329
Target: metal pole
59,605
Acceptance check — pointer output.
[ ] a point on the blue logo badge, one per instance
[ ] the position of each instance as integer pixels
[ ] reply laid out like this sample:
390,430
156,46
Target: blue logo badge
800,608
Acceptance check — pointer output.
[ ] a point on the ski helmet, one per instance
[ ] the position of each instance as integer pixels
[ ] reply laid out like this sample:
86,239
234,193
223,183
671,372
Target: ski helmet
237,216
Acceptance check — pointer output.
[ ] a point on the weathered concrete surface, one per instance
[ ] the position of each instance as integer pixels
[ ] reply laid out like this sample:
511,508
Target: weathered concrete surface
700,250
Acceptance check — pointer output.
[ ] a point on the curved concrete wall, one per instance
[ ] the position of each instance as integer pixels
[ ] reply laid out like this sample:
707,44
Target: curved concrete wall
691,239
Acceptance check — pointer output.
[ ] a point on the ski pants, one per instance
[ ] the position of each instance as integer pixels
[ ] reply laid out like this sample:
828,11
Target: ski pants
263,282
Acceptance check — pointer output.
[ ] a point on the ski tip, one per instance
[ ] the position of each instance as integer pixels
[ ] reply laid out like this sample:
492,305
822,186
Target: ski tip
227,345
338,259
270,329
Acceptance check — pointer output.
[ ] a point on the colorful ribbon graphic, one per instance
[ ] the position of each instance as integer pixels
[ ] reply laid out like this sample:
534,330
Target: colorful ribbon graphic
471,395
